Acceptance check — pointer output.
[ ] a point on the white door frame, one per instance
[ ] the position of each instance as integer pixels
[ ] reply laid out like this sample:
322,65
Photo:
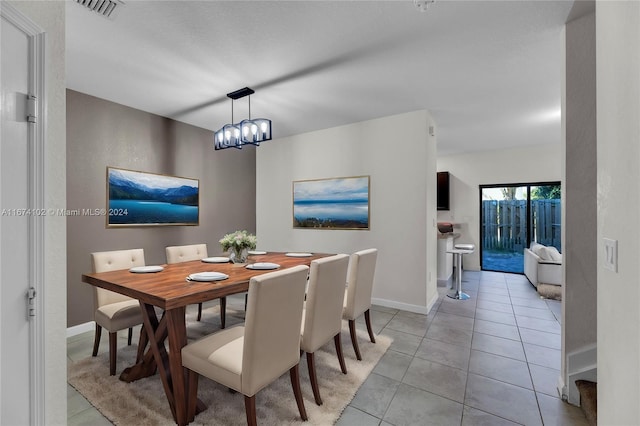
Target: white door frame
36,196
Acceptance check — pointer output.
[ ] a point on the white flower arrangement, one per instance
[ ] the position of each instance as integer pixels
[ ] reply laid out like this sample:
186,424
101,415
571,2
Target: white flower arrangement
238,241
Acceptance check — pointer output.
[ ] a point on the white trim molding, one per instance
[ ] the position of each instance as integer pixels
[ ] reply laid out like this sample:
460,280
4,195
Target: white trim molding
36,136
402,306
431,303
582,364
21,21
81,328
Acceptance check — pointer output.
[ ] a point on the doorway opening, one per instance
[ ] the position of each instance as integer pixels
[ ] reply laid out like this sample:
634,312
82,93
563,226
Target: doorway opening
513,216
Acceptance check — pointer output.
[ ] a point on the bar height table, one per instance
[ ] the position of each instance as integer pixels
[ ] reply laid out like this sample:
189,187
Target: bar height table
457,293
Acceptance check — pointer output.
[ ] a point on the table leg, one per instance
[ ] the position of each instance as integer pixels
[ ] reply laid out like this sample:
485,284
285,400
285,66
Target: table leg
156,332
177,340
172,325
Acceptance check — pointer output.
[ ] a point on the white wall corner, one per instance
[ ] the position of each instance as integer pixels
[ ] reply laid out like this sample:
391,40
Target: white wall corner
431,303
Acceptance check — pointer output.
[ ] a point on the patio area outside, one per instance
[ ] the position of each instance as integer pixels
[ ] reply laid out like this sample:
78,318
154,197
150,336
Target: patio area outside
504,261
512,216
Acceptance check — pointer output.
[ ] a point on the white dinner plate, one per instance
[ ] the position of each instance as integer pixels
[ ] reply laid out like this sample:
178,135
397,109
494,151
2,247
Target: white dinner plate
216,260
256,252
298,254
208,276
145,269
263,265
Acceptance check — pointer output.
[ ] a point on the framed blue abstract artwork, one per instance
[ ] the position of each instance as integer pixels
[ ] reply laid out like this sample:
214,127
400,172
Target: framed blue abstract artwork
146,199
336,203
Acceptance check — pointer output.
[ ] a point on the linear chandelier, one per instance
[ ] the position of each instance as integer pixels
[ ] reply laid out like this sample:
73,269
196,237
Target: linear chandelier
247,132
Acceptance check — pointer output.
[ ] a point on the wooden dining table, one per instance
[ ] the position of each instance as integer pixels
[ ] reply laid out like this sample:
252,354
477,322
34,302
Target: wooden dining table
170,290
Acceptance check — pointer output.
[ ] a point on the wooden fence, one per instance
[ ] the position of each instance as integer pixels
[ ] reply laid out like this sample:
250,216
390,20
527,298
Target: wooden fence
504,224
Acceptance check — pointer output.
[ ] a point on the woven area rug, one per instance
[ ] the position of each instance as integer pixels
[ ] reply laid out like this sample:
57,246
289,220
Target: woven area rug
144,403
550,291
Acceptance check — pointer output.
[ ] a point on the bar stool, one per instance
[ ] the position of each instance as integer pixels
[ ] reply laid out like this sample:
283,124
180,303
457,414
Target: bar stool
461,246
457,253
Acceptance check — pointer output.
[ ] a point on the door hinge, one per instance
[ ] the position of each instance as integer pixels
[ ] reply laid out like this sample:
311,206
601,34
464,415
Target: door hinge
31,109
31,302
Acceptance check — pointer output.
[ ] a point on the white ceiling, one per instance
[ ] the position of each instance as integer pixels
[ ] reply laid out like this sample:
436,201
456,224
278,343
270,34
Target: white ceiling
489,71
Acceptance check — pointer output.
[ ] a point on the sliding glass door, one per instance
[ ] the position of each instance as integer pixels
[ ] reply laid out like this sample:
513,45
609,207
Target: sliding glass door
514,215
546,215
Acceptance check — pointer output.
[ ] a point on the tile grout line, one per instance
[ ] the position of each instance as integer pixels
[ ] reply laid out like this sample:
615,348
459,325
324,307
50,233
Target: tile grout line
400,382
535,394
466,381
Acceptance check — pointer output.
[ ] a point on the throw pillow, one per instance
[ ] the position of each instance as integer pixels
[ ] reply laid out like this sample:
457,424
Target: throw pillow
552,253
543,253
536,249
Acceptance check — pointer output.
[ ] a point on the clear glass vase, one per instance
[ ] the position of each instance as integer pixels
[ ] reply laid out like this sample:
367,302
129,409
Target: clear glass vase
238,255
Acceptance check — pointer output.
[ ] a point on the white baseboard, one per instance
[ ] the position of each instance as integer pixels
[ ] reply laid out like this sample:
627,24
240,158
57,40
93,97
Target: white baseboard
402,306
582,364
81,328
582,359
432,302
562,388
446,283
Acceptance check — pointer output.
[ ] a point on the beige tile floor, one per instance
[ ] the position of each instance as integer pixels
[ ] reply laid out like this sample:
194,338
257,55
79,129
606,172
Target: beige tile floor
491,360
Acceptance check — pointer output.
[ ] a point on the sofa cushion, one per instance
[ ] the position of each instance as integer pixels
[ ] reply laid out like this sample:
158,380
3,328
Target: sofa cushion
550,253
535,248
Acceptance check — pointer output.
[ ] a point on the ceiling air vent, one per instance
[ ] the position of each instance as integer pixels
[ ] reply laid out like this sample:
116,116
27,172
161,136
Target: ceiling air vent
106,8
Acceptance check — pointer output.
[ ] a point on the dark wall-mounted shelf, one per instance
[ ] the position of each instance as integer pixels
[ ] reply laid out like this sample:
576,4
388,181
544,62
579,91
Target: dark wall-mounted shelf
443,191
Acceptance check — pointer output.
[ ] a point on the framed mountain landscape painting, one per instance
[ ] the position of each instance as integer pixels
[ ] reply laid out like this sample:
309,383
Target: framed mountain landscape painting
147,199
336,203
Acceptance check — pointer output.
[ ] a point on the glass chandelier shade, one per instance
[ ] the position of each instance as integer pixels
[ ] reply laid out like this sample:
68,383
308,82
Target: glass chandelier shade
227,137
247,132
255,131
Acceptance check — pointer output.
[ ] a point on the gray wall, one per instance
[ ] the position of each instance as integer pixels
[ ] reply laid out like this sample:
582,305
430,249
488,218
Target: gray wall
100,134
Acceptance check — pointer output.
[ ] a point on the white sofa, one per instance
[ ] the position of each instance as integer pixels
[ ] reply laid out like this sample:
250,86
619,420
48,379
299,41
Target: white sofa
543,264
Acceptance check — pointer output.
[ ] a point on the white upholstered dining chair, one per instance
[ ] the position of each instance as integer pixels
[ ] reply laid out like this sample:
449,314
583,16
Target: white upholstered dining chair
248,358
322,316
114,311
357,300
177,254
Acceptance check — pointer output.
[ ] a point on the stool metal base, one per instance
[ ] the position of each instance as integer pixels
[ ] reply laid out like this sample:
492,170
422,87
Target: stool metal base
458,295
